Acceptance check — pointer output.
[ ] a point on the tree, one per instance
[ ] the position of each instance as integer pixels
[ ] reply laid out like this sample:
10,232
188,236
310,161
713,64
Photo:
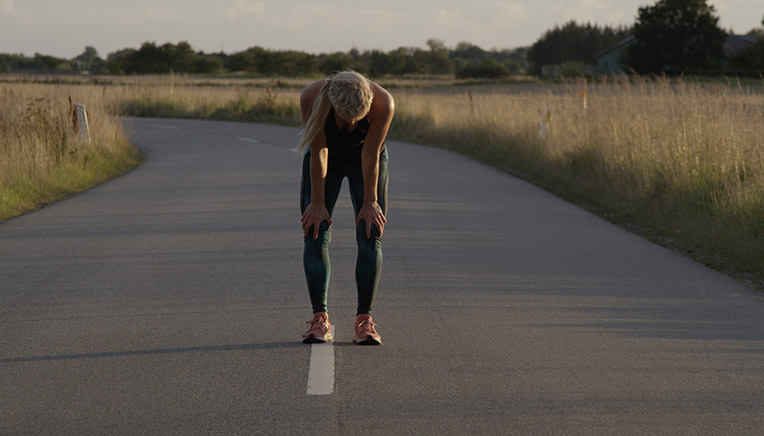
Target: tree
118,62
241,61
467,60
469,52
472,61
436,45
149,59
752,58
336,62
15,62
435,61
153,59
676,35
207,63
573,42
50,63
179,58
488,69
88,59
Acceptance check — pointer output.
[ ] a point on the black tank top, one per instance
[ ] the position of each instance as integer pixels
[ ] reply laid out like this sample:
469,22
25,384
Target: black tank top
345,146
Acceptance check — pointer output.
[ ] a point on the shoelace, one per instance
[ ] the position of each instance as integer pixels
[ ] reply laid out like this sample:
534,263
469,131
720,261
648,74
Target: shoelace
315,321
372,325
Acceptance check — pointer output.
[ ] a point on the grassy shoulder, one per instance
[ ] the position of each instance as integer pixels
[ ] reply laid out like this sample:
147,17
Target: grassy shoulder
44,157
65,180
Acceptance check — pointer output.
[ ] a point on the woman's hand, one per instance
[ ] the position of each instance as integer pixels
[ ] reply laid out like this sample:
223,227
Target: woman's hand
371,213
314,215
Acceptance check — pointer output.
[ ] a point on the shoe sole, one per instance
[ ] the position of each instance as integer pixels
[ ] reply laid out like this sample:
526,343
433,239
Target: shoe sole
314,340
368,341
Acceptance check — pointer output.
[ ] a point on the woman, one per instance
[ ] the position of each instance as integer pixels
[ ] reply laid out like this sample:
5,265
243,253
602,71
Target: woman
346,118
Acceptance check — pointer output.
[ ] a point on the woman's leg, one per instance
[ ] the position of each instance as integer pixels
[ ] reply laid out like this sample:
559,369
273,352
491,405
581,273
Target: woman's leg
316,253
368,267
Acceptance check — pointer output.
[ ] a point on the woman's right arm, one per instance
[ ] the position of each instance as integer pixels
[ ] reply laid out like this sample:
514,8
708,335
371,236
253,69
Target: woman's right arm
316,211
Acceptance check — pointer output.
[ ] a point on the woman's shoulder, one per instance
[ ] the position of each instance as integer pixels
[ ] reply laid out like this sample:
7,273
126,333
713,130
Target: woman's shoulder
309,93
383,104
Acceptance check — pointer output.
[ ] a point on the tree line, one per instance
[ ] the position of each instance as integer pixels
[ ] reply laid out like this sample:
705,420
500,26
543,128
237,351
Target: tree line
464,60
670,36
573,43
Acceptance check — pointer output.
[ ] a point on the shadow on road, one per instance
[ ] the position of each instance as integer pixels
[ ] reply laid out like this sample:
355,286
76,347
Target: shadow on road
160,351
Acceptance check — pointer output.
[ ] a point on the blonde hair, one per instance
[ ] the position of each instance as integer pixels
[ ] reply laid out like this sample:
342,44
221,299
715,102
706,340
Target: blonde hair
348,92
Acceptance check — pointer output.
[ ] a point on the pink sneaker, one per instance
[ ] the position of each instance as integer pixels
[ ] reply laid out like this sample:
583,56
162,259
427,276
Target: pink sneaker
320,330
365,331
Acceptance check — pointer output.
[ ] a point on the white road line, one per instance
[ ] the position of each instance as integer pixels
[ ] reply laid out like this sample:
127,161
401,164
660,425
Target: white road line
241,138
321,372
165,126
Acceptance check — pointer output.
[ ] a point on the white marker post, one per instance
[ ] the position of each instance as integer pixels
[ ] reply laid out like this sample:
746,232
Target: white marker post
82,121
582,91
545,120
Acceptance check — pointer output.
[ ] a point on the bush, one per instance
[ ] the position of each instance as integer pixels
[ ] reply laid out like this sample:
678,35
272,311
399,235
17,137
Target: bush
488,69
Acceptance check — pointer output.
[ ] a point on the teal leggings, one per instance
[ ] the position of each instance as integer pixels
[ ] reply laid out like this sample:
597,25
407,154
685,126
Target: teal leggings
316,254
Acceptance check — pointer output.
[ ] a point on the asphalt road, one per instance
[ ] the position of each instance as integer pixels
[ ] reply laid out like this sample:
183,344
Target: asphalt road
172,300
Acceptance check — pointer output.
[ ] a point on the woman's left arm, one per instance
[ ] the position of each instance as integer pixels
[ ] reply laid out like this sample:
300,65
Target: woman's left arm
380,117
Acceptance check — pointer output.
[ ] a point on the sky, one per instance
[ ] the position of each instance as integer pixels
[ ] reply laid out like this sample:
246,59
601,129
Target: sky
63,28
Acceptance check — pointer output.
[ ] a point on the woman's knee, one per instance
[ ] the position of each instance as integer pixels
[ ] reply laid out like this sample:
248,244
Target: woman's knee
364,243
322,241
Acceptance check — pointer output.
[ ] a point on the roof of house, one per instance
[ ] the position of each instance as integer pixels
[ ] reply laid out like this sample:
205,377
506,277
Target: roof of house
734,44
624,42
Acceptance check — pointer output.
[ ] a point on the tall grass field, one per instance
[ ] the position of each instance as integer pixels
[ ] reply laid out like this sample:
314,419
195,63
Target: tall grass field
43,157
677,161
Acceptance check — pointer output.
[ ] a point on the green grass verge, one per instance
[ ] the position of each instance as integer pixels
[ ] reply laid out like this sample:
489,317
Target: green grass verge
65,180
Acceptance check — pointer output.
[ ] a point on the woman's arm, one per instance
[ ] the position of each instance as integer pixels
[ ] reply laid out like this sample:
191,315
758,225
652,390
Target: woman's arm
380,117
316,211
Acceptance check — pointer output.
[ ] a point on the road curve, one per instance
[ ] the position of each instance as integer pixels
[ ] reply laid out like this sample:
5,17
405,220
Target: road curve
171,300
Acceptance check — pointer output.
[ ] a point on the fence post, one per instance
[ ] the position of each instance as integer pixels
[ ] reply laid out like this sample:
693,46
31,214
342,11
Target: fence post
582,91
82,121
545,120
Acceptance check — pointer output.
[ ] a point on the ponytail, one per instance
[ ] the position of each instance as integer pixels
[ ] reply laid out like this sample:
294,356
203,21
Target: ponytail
317,118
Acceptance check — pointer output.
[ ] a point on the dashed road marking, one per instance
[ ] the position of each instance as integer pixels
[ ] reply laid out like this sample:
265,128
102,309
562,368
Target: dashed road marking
165,126
241,138
321,372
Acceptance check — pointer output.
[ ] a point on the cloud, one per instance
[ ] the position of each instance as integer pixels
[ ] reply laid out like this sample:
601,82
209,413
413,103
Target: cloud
507,11
487,24
593,4
499,15
738,15
151,16
312,26
246,9
8,9
6,6
158,14
446,17
602,12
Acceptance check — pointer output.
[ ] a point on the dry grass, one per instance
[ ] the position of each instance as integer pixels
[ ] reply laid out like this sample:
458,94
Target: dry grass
181,99
43,158
682,162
